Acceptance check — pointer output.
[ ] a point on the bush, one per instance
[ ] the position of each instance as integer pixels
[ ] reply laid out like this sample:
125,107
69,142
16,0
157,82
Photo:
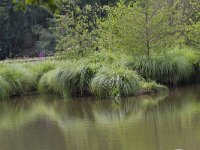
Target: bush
4,89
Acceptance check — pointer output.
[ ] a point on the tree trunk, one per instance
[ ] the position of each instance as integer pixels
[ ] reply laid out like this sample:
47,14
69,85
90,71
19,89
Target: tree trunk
147,27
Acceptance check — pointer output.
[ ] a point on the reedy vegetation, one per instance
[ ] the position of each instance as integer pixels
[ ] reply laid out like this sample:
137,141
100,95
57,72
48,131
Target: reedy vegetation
171,67
39,68
152,87
116,81
113,56
84,78
102,75
162,69
20,80
4,89
88,76
68,80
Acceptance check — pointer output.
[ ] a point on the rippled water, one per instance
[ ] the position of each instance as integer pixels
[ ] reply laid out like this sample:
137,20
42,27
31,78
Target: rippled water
164,122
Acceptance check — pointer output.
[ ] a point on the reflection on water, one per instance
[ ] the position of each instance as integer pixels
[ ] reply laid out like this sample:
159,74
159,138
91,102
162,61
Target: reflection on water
164,122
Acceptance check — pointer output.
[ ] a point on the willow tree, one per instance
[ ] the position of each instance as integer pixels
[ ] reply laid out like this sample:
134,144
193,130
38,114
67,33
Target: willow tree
141,28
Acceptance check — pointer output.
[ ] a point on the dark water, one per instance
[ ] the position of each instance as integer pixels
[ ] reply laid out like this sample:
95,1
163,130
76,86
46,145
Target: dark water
164,122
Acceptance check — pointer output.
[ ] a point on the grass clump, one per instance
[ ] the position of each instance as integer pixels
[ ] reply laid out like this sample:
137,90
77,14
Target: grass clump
79,80
193,57
20,80
152,87
55,81
112,82
4,89
169,69
172,67
40,68
69,80
45,82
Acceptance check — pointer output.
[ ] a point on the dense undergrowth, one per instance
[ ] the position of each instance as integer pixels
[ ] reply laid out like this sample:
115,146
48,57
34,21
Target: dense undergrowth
102,75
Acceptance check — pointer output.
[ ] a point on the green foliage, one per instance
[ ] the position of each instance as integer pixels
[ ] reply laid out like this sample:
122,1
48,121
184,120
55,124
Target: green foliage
48,4
193,35
139,28
46,41
142,27
171,67
104,57
70,80
76,30
79,80
20,80
17,38
45,83
152,87
192,55
40,68
4,89
112,82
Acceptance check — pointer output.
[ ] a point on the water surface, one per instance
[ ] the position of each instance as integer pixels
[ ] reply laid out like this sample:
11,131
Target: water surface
165,122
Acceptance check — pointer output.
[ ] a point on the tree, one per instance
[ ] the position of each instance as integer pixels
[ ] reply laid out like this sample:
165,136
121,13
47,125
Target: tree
193,35
140,28
17,35
192,23
186,16
76,29
8,36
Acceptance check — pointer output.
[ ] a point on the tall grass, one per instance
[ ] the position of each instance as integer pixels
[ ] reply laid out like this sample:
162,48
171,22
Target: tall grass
101,74
112,82
164,69
20,80
193,58
151,87
56,81
40,68
70,80
172,67
4,89
44,85
79,80
104,58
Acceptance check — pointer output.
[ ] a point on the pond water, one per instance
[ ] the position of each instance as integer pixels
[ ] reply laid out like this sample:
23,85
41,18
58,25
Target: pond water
165,122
